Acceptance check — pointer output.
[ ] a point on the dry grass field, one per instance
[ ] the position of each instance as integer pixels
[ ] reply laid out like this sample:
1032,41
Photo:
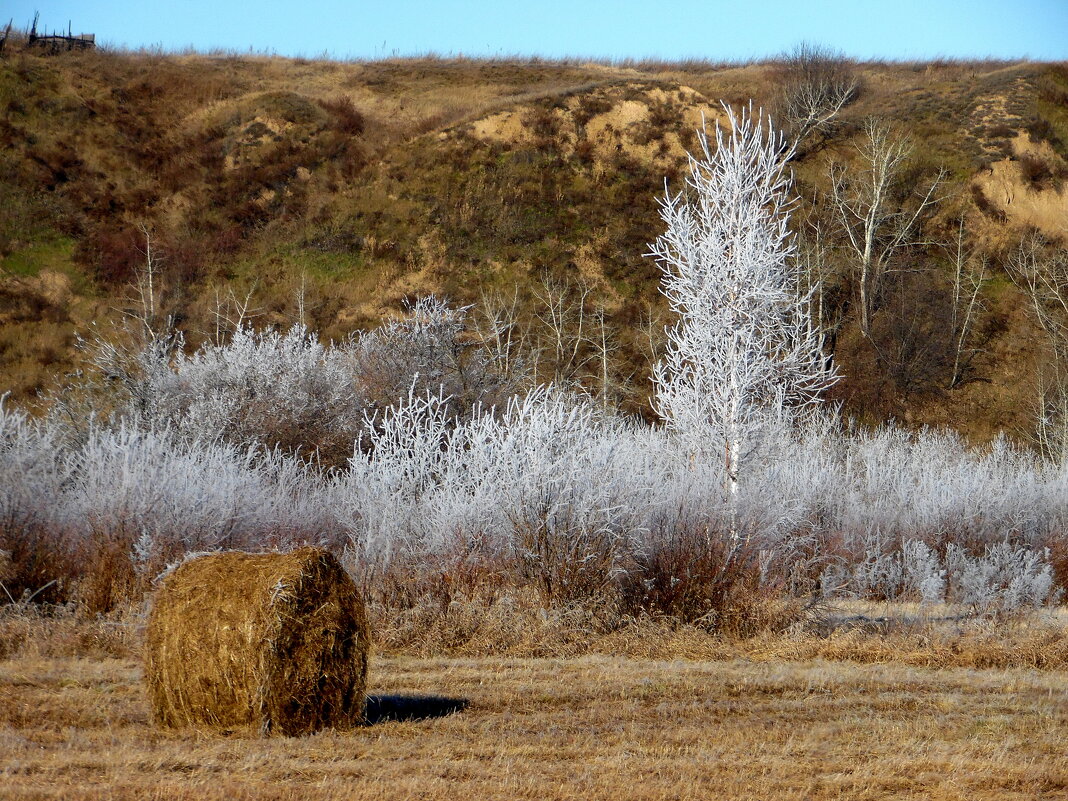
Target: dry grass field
777,718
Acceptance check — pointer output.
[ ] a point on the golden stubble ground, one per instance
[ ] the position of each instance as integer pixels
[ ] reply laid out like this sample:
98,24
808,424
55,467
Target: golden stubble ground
582,728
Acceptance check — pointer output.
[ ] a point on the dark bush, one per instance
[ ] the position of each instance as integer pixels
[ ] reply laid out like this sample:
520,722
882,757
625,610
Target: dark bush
114,252
544,126
187,254
33,562
1035,170
1001,131
694,575
347,118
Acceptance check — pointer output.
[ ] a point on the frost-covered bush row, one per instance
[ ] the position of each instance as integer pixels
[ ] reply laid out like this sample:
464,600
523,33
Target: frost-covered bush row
572,498
922,516
930,484
569,497
150,495
168,496
579,497
286,389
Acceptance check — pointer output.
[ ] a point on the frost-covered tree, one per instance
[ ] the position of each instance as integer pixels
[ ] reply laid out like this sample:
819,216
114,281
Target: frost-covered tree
743,353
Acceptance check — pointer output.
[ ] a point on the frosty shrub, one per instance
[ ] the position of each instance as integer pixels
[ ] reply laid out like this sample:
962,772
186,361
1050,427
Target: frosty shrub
280,390
127,377
100,515
1004,579
33,472
922,576
431,348
274,389
168,496
139,499
912,572
32,469
545,482
576,510
285,389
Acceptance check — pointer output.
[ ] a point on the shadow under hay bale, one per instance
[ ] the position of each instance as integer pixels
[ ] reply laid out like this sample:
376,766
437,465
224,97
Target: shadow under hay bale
381,708
274,641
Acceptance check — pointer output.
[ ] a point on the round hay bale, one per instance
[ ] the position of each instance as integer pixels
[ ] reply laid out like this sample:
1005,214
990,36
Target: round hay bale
278,641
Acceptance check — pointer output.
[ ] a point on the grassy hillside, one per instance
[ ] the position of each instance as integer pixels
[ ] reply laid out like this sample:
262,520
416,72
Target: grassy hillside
332,192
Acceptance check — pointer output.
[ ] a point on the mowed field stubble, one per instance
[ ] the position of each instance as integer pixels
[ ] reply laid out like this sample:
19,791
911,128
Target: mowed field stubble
762,721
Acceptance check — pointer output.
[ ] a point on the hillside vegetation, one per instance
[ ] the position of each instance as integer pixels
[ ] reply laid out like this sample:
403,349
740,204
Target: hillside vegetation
276,191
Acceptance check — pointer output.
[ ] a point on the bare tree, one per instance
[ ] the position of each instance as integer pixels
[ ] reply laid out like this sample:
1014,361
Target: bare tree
652,332
969,272
564,313
504,333
820,278
1042,273
818,83
566,338
876,221
146,287
232,313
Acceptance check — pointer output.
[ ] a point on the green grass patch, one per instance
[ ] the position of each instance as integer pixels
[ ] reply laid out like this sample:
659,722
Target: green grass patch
54,254
290,260
336,265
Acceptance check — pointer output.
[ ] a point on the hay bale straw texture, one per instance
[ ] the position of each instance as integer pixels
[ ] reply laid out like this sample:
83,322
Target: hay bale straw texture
274,641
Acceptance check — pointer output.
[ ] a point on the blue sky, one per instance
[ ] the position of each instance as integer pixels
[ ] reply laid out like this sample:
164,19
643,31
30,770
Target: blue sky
901,29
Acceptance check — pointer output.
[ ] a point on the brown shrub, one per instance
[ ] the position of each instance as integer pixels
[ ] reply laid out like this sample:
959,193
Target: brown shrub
113,251
1051,87
186,254
107,575
544,126
347,118
692,576
33,563
1058,559
590,105
1040,130
276,641
1001,130
1035,170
